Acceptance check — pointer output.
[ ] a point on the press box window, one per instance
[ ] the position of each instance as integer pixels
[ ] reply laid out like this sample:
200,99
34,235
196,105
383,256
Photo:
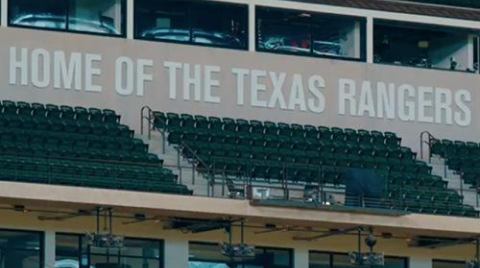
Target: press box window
195,22
332,260
106,17
425,46
448,264
21,249
74,251
305,33
209,255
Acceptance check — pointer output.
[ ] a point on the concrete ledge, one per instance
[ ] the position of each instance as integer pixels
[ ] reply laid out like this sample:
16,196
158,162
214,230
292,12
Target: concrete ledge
166,205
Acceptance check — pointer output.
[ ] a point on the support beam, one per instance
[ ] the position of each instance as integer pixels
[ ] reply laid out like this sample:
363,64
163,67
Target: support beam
177,253
49,242
327,234
300,257
420,262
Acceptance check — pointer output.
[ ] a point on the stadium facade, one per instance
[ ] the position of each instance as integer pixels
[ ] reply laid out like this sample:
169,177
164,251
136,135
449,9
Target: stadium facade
138,133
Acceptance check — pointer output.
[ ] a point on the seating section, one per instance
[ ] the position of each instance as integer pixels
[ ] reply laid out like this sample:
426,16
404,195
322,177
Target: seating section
275,152
462,157
77,146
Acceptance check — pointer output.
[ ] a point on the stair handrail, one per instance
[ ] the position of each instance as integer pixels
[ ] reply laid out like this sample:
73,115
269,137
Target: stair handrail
429,139
148,117
198,158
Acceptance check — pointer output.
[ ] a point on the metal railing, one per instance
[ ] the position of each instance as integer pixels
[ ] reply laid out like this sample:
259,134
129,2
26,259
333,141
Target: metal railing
146,114
340,200
426,138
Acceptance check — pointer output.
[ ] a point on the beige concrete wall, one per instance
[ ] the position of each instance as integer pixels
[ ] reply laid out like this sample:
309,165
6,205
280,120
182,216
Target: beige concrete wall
204,207
424,104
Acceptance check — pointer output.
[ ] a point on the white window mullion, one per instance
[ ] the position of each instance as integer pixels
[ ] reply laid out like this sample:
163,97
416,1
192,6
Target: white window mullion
251,27
369,39
130,18
49,248
4,7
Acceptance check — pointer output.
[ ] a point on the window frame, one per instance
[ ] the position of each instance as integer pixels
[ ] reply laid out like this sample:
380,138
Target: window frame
161,244
264,249
67,22
363,33
331,254
41,251
450,4
190,26
420,25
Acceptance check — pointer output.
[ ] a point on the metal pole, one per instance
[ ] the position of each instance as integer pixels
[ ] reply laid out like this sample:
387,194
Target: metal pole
149,123
478,252
359,240
98,220
141,120
110,219
421,145
242,238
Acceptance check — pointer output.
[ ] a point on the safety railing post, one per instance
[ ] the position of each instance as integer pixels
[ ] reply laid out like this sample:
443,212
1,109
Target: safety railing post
193,172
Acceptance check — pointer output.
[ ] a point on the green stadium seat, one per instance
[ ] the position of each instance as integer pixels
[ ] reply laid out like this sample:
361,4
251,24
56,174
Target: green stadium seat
159,120
275,151
68,146
38,110
81,113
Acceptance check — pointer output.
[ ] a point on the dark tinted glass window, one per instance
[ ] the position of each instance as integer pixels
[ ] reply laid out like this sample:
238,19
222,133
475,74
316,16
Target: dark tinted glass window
21,249
308,33
447,264
283,31
206,255
424,46
319,260
341,260
48,14
74,251
207,23
162,20
89,16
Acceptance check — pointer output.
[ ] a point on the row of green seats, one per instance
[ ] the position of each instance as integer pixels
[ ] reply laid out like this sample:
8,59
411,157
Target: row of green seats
330,172
49,139
172,122
425,195
272,147
447,148
92,174
214,153
463,162
65,146
76,166
51,111
67,126
459,210
426,181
